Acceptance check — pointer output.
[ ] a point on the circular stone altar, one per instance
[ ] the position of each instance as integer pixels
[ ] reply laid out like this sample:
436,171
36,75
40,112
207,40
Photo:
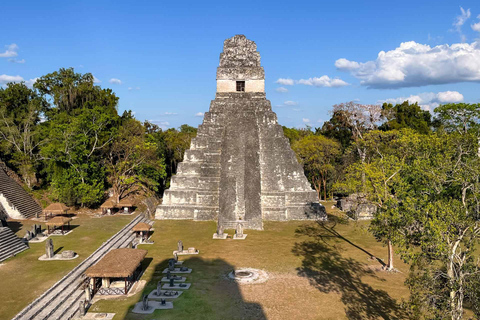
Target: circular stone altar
248,276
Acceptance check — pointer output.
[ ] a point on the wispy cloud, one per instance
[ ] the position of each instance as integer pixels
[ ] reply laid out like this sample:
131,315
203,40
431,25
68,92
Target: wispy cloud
133,88
285,82
13,60
170,113
199,114
476,26
96,80
290,103
460,21
11,51
281,89
115,81
161,123
323,81
306,120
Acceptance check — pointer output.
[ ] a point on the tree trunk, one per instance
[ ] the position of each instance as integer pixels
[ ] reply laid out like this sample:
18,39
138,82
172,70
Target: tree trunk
390,256
325,189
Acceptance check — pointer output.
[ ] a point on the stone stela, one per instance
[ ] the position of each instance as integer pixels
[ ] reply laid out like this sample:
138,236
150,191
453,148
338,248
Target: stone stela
240,167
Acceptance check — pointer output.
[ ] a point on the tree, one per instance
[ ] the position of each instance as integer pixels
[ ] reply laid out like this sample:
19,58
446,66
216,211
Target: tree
132,162
318,155
443,209
386,154
69,91
294,134
20,113
406,115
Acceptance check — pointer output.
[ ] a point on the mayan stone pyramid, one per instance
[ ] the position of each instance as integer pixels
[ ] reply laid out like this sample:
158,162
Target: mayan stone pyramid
240,167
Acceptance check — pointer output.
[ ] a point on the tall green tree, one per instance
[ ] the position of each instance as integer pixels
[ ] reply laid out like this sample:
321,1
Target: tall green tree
318,155
132,162
21,109
406,115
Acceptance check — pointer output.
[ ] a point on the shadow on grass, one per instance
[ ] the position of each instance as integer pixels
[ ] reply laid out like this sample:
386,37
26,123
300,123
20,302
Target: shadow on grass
211,296
329,271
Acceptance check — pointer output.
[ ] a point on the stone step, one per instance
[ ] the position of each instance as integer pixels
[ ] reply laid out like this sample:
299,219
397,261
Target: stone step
10,244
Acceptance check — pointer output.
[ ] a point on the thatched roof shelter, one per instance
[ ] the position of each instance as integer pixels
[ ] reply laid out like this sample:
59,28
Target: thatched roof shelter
56,208
118,263
125,203
109,204
141,226
58,221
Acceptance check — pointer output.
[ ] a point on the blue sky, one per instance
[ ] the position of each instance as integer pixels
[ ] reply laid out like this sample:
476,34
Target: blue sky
164,54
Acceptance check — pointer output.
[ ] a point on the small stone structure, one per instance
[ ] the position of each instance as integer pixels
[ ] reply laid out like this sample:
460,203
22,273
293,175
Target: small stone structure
49,252
239,235
357,206
248,276
240,167
220,235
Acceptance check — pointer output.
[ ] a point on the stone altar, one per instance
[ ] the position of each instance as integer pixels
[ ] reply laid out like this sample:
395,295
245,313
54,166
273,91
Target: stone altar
240,167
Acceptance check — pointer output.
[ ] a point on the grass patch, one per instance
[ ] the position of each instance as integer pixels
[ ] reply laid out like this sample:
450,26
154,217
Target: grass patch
316,271
24,278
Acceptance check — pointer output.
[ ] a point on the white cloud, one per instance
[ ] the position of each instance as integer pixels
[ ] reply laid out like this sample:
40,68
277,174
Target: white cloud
96,80
460,21
170,113
161,123
133,88
29,83
290,103
476,26
323,81
285,82
281,89
428,100
13,60
115,81
320,120
4,79
413,64
199,114
296,109
306,120
10,52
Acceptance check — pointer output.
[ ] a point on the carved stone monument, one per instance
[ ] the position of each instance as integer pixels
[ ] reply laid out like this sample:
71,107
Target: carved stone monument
81,309
171,265
239,235
159,288
220,235
49,248
180,246
145,302
240,167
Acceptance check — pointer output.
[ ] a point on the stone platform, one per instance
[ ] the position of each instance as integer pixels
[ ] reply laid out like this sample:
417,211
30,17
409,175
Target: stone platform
153,294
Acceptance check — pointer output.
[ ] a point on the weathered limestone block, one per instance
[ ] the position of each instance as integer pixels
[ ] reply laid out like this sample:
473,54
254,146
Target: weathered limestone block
240,167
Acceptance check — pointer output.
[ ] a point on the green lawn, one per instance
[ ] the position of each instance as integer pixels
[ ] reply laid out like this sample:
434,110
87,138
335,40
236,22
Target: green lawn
23,277
316,272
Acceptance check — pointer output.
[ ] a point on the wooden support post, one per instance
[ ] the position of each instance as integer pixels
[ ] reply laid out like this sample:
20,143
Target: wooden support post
125,285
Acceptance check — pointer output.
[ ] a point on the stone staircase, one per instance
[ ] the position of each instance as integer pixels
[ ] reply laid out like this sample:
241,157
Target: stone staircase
61,301
10,244
19,204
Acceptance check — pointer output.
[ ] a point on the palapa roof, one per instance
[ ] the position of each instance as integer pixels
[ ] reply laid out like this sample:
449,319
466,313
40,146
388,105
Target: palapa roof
142,226
56,207
118,263
109,204
58,221
125,203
